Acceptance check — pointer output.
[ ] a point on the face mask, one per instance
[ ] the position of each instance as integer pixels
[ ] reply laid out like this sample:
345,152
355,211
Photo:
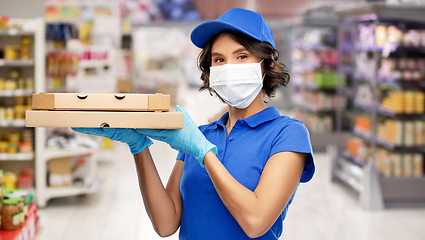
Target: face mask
237,84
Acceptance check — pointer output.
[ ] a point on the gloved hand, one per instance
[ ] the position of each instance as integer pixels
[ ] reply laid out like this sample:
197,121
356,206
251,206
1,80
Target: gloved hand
189,140
136,141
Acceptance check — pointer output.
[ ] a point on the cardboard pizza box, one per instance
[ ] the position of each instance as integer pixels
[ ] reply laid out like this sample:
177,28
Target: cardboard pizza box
154,120
101,101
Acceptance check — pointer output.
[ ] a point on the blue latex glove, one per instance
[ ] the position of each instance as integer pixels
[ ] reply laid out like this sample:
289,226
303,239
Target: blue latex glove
136,141
189,140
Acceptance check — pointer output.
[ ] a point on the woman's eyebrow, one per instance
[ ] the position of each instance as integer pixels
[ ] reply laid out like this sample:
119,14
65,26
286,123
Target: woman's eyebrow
215,54
239,50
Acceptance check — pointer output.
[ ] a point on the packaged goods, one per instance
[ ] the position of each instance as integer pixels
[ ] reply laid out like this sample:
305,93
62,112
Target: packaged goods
418,132
418,165
20,205
9,180
3,147
1,187
409,134
407,165
60,173
10,215
397,164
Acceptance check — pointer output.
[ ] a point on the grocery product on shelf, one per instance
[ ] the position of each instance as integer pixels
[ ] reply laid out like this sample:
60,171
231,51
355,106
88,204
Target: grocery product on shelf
314,76
385,69
10,215
19,52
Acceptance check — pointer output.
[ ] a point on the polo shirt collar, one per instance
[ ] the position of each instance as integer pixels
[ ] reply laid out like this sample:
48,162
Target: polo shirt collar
268,114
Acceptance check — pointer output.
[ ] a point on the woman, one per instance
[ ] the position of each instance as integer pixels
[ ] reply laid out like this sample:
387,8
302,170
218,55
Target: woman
234,178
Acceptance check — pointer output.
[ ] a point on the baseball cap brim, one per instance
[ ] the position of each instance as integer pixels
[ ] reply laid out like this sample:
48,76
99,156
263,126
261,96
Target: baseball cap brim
202,33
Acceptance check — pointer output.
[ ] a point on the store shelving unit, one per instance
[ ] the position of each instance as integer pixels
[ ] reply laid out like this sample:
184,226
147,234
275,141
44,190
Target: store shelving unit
313,75
44,153
378,174
27,69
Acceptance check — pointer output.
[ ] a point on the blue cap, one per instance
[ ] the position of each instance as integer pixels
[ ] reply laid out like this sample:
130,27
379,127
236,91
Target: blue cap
236,19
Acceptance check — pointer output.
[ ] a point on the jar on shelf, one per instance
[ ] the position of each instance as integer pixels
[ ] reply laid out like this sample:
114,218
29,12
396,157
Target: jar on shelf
12,148
9,113
28,101
14,74
2,113
10,215
19,100
21,206
3,147
25,147
25,53
14,137
10,52
10,84
21,84
2,83
1,185
29,84
28,135
4,22
1,206
20,193
9,180
19,112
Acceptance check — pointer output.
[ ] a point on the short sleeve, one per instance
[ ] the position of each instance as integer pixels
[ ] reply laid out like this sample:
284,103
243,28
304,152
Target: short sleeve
294,137
180,156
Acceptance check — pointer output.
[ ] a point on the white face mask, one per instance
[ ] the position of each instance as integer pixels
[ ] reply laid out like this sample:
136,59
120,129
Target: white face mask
237,84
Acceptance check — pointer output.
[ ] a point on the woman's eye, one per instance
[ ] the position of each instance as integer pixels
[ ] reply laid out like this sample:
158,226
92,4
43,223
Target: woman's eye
242,57
219,60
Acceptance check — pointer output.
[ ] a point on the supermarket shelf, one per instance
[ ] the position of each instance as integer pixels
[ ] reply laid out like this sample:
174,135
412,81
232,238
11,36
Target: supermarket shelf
403,191
313,109
367,48
315,87
16,63
392,114
365,107
392,147
360,77
54,192
359,162
347,69
370,11
311,47
350,174
387,145
16,156
15,32
51,153
16,93
364,135
12,123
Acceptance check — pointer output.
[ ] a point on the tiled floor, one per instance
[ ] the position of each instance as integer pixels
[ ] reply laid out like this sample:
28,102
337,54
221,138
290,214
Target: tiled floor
321,210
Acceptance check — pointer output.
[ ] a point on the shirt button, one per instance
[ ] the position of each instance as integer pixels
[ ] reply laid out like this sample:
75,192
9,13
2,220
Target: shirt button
230,139
221,154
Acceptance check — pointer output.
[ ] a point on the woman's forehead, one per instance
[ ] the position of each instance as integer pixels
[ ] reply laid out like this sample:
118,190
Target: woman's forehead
225,43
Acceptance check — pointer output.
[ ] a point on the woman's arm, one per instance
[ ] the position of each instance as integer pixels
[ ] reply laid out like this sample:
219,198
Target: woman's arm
163,205
257,211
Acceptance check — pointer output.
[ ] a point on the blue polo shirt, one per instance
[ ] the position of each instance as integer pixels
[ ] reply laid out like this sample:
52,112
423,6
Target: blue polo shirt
244,153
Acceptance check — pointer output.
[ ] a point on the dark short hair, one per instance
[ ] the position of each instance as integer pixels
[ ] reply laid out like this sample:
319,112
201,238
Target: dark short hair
276,73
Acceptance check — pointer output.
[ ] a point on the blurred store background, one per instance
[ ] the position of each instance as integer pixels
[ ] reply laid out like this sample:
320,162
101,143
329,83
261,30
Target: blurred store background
357,82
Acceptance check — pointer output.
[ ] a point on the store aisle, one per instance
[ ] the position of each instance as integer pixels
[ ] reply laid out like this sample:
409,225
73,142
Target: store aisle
321,210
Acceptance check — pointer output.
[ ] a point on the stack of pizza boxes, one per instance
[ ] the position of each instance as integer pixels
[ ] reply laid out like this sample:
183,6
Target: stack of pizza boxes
103,110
